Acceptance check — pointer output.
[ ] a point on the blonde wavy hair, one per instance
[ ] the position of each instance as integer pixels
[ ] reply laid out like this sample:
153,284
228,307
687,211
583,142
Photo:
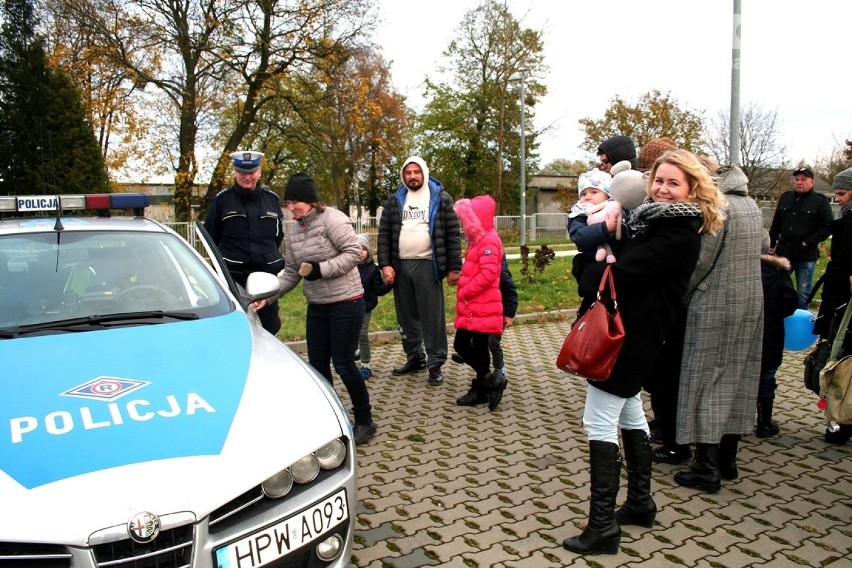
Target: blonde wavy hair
703,191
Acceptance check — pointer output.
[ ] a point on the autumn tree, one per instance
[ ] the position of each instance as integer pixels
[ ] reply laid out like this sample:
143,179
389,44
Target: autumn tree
342,122
46,144
654,115
762,155
839,159
122,118
201,54
469,130
278,40
174,47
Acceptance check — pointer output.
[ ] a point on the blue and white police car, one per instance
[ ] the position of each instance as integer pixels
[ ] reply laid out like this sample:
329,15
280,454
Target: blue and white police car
147,418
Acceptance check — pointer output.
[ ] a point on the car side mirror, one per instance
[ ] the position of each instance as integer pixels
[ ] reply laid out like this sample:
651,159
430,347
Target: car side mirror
261,285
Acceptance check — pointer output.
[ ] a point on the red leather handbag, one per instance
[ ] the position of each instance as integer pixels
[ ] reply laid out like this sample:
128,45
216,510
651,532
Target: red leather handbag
595,339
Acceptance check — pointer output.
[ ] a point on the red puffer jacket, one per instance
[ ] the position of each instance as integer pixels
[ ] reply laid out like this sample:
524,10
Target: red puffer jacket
479,305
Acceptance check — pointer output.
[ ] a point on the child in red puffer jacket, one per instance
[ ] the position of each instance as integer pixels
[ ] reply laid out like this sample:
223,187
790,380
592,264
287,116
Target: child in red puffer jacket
479,305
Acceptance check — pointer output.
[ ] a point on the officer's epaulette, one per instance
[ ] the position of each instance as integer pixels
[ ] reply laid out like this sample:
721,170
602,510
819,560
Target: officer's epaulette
267,190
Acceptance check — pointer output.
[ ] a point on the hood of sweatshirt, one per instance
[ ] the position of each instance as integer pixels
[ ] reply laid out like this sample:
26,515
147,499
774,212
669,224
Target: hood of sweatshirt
420,162
619,148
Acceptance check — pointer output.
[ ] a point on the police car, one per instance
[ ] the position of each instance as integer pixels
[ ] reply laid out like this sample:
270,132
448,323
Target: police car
147,418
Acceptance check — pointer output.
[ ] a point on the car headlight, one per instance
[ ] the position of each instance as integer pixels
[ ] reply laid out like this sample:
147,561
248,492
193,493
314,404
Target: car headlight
332,454
278,485
306,469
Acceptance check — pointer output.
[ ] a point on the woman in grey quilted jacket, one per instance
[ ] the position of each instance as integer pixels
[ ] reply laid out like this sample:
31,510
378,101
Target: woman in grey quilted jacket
322,248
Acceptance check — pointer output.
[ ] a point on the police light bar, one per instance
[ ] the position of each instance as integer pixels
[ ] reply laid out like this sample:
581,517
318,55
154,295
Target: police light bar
94,201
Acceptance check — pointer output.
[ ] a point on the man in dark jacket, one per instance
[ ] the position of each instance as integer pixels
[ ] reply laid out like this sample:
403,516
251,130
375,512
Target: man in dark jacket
801,222
246,224
420,244
615,149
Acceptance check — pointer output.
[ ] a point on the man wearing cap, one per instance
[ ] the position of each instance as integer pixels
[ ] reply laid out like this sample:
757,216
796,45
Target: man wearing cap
247,225
801,222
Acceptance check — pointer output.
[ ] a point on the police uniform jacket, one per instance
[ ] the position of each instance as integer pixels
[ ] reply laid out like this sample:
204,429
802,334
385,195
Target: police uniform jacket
247,227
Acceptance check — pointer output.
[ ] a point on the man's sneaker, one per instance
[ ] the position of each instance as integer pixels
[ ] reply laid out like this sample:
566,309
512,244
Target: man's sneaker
472,398
357,354
363,432
366,373
412,365
498,384
435,376
457,358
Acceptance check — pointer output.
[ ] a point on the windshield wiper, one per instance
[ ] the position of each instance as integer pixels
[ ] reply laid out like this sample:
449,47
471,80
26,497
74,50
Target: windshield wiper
96,321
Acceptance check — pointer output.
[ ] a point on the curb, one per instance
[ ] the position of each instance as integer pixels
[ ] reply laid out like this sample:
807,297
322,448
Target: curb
389,336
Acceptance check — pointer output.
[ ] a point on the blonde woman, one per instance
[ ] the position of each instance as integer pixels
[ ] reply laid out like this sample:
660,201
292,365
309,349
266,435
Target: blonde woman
651,276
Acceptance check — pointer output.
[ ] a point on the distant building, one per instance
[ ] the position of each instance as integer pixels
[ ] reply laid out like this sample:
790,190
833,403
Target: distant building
542,189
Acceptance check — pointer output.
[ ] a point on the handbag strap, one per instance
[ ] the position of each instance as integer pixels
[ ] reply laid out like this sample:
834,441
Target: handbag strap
607,281
841,332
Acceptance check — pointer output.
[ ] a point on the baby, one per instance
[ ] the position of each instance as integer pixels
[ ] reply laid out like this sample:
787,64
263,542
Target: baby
591,237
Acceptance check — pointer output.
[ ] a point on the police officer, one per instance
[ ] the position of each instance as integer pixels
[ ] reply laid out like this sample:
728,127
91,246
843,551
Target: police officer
246,223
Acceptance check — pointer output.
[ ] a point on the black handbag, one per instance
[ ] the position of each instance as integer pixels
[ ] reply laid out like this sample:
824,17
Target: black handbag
815,361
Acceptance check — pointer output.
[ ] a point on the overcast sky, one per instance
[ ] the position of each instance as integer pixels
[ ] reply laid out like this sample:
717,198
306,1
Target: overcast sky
795,59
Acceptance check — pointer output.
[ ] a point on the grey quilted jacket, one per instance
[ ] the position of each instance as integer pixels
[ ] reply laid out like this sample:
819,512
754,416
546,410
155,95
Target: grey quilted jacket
329,239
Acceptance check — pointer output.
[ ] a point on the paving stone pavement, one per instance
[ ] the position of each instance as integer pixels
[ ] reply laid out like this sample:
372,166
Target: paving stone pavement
443,485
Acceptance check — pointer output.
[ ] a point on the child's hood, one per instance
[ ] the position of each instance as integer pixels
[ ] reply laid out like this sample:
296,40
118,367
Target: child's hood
364,241
476,216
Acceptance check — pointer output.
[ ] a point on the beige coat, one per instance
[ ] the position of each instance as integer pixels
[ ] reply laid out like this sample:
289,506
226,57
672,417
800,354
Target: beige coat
329,239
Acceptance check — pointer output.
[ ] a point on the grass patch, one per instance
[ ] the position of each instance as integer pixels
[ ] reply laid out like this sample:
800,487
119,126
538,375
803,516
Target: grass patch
555,289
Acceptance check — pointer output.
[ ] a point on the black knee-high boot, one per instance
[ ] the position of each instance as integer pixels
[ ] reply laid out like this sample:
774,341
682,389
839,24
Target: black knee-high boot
602,534
728,456
704,473
765,426
639,508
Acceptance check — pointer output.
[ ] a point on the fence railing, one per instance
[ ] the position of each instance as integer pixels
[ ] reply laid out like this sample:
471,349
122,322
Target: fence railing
540,227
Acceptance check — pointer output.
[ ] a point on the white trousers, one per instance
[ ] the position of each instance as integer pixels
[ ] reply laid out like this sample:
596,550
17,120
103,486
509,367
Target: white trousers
605,413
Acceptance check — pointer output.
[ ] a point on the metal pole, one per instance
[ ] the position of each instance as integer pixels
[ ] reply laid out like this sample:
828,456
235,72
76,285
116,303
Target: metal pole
734,143
523,169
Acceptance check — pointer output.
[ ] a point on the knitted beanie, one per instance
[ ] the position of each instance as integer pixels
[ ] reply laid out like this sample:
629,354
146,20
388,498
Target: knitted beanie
595,179
300,187
653,150
843,180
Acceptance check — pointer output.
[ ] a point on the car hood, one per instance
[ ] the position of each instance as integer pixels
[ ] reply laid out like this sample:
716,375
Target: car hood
177,417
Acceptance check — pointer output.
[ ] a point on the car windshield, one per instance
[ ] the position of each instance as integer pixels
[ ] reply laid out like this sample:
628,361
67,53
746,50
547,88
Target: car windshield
47,277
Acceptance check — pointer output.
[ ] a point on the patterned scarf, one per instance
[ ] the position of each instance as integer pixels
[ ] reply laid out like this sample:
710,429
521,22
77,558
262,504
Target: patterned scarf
639,217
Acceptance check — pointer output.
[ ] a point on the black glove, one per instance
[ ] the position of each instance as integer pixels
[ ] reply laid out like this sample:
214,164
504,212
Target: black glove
315,274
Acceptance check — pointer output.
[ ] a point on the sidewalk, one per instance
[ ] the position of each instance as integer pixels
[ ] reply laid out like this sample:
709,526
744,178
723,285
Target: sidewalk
442,485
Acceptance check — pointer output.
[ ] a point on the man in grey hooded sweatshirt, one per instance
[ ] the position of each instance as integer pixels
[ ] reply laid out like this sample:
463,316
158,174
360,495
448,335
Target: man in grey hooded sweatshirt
419,245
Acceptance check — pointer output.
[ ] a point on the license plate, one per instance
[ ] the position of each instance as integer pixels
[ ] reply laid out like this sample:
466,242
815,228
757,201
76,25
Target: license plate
275,541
